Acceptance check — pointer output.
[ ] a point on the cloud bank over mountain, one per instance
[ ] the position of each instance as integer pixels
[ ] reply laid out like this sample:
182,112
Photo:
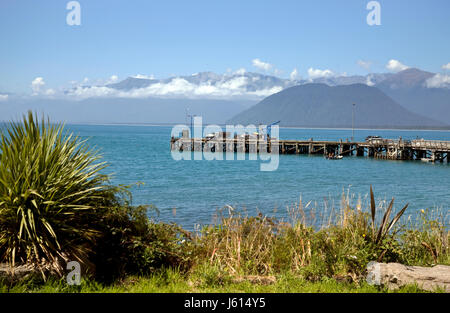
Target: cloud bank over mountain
237,85
208,85
421,92
221,87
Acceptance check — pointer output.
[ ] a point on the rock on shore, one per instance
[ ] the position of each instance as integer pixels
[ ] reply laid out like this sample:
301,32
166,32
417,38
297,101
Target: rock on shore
395,275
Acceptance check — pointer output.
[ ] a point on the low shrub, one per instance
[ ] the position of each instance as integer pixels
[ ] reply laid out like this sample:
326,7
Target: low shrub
131,244
426,242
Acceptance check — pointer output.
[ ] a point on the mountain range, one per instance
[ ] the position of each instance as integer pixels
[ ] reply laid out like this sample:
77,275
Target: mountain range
250,81
253,81
411,88
423,98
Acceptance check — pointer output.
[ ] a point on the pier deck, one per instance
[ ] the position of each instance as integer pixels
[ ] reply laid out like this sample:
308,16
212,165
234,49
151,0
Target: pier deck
392,149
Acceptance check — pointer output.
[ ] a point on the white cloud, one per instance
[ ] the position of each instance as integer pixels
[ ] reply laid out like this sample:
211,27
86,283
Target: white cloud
113,79
81,92
446,67
241,71
141,76
364,64
233,84
396,66
294,74
438,81
180,87
85,82
266,92
369,81
316,73
3,97
50,92
37,84
278,72
261,65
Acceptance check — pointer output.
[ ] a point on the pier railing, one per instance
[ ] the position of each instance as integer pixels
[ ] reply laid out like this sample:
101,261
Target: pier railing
431,144
418,144
397,149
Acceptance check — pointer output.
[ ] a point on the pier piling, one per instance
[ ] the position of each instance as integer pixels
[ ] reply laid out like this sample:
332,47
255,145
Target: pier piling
428,150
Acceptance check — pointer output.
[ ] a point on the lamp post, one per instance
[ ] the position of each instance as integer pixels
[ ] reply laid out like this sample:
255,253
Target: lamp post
353,122
192,122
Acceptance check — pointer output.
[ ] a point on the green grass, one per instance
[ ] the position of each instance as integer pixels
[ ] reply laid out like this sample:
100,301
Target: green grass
172,281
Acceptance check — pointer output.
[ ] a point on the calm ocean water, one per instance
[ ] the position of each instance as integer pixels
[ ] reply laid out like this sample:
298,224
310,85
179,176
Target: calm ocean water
191,192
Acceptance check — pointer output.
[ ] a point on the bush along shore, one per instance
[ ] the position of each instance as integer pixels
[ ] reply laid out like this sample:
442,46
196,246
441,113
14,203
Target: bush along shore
56,207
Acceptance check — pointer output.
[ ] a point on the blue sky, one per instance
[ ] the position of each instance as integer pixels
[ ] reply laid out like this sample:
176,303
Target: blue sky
165,38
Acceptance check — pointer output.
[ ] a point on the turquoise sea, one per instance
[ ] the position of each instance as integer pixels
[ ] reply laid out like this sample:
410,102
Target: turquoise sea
191,192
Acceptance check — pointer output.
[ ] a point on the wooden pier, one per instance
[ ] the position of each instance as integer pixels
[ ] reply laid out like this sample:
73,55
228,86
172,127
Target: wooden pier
391,149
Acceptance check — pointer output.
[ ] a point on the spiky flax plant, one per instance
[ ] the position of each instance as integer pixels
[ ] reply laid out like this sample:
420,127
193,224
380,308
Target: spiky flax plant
50,191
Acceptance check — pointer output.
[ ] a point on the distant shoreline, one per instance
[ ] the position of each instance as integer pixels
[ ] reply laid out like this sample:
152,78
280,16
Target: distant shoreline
442,129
